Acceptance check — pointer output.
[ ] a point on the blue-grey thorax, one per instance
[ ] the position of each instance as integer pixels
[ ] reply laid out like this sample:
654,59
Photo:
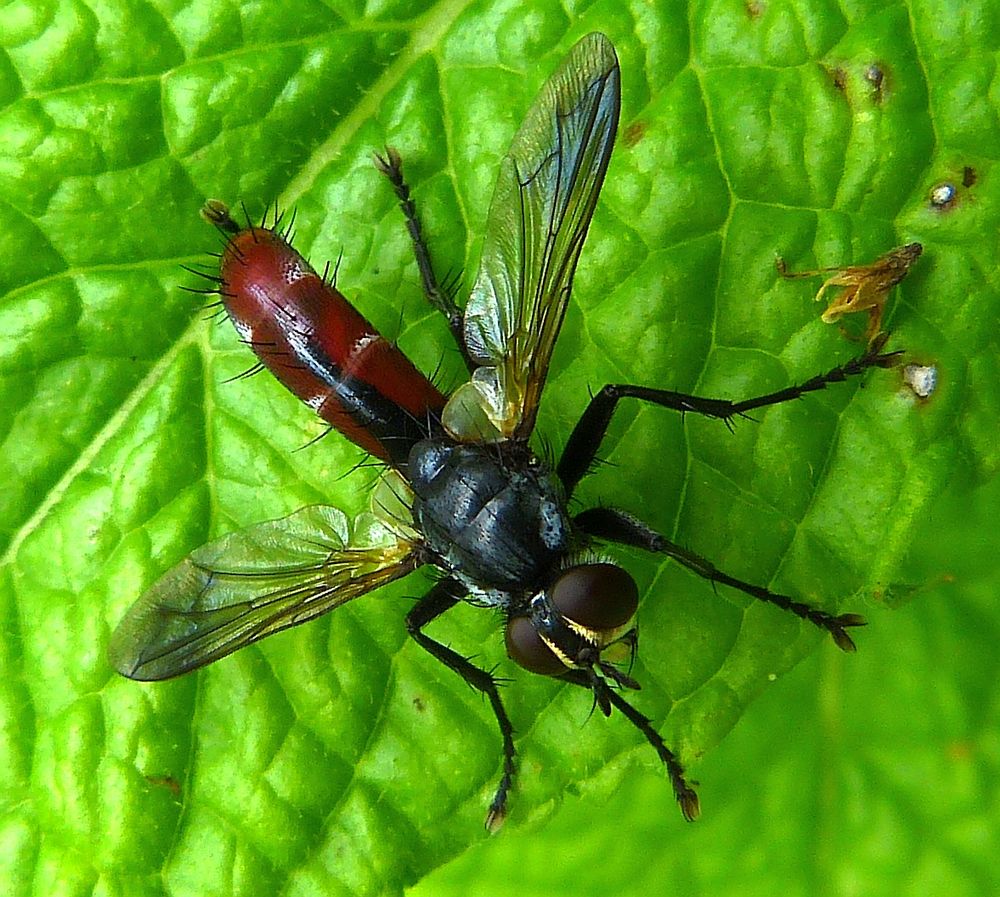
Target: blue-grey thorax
494,514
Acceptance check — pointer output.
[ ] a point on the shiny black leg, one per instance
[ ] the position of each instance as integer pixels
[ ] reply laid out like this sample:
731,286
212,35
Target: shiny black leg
617,526
607,697
445,595
391,165
589,431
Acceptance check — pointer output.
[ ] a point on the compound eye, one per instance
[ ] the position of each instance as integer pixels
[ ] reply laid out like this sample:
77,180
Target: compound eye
527,649
599,597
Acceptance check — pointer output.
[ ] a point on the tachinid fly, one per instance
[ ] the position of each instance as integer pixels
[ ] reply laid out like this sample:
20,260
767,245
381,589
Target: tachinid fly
463,489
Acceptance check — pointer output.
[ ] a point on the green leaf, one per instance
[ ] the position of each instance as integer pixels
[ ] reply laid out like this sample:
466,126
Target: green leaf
340,758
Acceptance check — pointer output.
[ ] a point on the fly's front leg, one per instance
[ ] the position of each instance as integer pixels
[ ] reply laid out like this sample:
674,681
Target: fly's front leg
391,165
617,526
445,595
589,431
607,697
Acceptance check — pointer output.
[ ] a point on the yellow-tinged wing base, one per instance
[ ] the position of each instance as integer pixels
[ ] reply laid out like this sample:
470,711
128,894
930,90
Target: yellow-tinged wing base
542,205
253,583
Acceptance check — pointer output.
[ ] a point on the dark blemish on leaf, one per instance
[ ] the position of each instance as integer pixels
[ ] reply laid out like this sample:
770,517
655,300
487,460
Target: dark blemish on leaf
168,782
418,704
959,750
921,379
943,196
755,9
634,133
839,78
875,76
969,176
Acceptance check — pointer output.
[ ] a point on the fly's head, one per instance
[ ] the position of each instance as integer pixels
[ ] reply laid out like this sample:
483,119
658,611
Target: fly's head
568,626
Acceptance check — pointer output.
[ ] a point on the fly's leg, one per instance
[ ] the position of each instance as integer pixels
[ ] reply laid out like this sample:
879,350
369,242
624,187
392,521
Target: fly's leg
617,526
584,441
606,696
391,165
439,599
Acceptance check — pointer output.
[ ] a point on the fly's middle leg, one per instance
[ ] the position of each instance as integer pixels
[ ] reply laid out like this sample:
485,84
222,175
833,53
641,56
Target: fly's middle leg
438,600
617,526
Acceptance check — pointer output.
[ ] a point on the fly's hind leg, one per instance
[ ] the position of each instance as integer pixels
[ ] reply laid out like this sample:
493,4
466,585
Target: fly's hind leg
445,595
583,443
391,165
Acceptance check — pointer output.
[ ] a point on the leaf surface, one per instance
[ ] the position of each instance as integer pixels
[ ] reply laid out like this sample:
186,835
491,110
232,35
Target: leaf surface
338,757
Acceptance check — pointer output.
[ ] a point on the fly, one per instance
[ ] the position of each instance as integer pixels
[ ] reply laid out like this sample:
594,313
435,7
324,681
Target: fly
463,490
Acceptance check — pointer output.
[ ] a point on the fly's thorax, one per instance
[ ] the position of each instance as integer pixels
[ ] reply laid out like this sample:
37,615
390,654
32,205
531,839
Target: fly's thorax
568,625
493,514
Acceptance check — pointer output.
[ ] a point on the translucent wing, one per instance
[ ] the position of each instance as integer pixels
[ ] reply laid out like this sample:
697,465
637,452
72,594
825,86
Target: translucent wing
250,584
542,205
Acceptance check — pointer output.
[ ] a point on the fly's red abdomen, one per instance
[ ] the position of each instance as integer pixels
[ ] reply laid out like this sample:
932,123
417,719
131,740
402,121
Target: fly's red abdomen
326,353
